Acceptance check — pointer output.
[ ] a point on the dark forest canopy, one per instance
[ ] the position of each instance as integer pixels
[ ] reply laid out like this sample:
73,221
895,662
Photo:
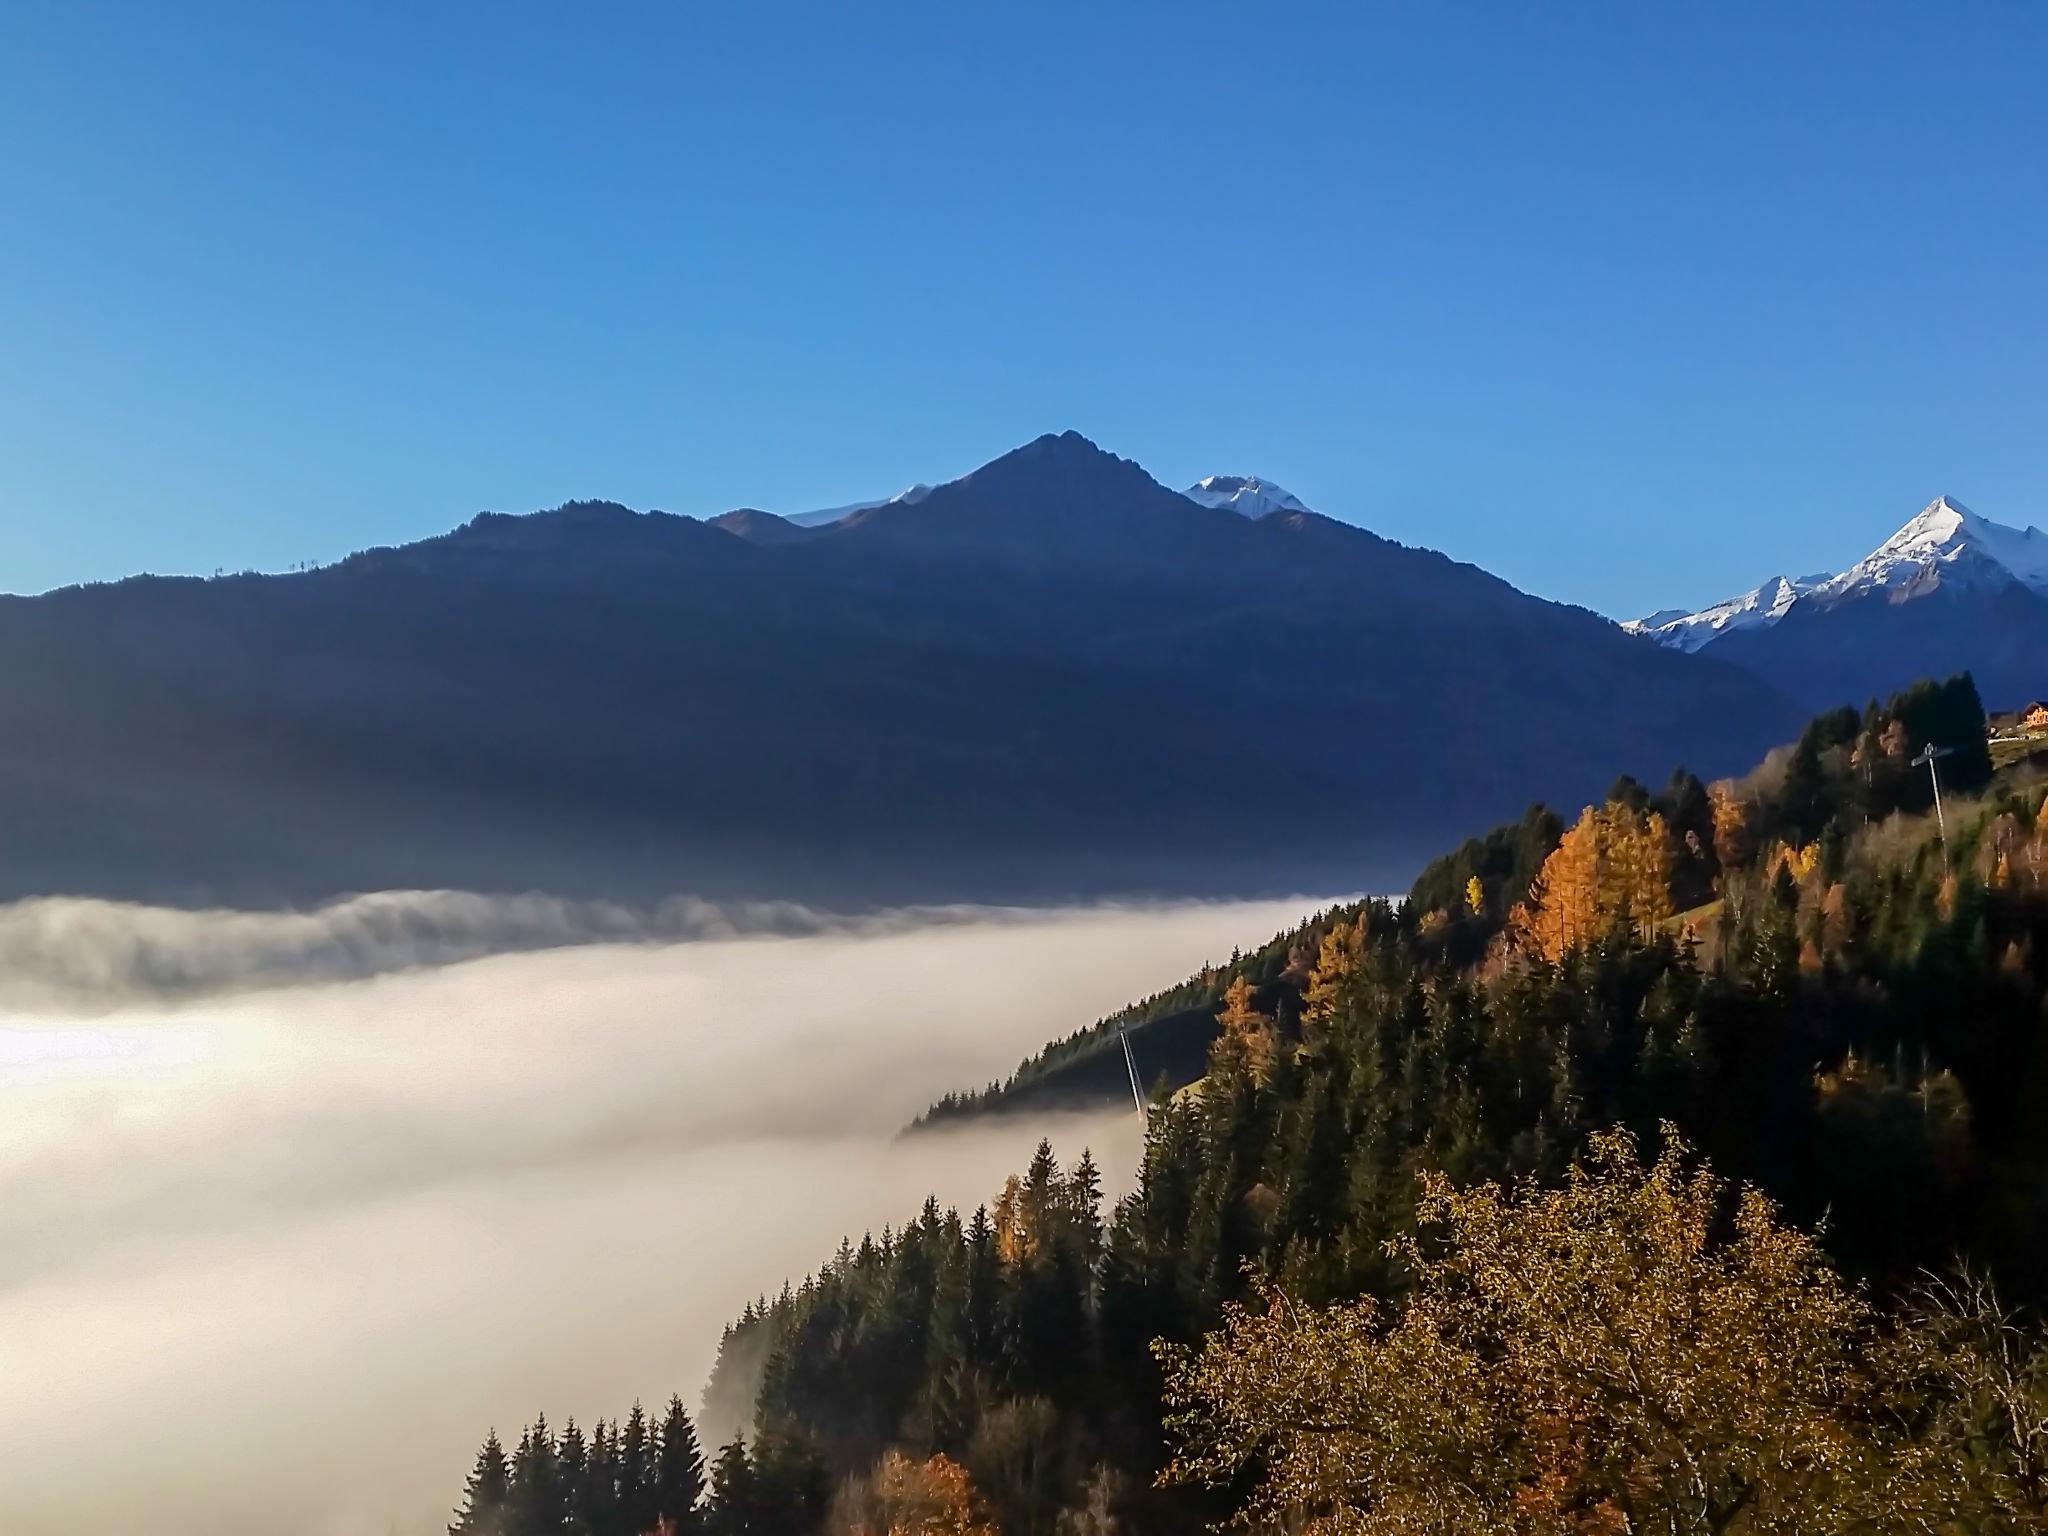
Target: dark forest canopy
1792,977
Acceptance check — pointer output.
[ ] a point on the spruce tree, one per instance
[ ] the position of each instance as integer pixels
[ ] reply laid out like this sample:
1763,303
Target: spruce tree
636,1501
537,1504
678,1470
601,1481
732,1509
486,1494
574,1459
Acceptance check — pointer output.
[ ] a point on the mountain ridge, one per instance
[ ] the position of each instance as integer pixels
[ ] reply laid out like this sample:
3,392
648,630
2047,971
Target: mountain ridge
1051,678
1949,590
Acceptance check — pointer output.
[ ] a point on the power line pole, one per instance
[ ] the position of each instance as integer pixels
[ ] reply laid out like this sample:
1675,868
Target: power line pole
1930,755
1131,1066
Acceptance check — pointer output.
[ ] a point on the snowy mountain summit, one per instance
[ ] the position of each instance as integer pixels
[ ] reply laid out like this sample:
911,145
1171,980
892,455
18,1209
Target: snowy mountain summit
1948,544
1946,547
1243,493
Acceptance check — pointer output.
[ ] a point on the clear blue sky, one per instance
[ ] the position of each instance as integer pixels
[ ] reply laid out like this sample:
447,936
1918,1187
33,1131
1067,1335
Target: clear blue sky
1634,304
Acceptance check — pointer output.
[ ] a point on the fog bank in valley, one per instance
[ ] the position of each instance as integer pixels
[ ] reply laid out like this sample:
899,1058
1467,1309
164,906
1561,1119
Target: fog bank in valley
293,1207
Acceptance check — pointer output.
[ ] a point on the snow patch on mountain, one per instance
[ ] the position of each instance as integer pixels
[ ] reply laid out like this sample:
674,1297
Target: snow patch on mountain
1248,494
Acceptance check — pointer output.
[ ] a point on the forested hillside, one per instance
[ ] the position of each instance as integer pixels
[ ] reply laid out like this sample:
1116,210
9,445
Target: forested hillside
1450,1234
1170,1031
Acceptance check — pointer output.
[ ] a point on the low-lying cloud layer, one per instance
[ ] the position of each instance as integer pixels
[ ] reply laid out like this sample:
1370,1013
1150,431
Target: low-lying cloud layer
69,952
271,1260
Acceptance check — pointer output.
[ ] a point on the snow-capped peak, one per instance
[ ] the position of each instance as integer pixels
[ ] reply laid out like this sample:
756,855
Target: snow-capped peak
1755,608
1248,494
1946,544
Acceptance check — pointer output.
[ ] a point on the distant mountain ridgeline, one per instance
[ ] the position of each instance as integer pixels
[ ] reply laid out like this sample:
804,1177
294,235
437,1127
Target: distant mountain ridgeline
1051,678
1802,975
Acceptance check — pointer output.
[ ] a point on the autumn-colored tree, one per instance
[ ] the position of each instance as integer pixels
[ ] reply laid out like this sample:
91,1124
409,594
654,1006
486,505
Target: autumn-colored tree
1639,853
914,1498
1626,1353
1337,961
1612,869
1246,1036
1018,1231
1564,899
1798,862
1475,896
1734,839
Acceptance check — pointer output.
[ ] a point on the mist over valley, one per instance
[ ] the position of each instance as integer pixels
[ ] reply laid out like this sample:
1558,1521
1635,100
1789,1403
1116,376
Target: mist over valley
264,1239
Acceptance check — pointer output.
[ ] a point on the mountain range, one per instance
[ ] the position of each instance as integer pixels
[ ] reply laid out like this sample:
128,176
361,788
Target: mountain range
1051,677
1949,592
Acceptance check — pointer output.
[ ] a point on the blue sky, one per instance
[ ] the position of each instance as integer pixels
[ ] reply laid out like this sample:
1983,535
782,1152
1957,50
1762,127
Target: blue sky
1633,304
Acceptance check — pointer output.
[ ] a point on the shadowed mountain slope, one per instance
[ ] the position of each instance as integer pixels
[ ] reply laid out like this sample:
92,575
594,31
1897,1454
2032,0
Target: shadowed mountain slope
1053,677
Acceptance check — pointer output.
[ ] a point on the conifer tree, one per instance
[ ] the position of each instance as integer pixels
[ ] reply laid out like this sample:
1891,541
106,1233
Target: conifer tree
601,1480
1084,1192
733,1509
538,1506
678,1470
486,1494
573,1457
636,1497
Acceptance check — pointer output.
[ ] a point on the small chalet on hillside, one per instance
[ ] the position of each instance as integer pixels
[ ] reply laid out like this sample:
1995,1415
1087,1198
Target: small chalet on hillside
2028,720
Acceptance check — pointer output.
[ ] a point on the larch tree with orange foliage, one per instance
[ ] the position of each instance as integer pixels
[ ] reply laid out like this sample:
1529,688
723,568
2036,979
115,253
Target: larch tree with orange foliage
1246,1036
1734,838
1611,871
1337,962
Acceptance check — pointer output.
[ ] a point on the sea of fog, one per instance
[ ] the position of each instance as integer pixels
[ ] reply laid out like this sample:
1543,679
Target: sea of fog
294,1207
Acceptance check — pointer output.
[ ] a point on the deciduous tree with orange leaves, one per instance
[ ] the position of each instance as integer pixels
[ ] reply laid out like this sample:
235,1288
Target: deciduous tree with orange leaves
1632,1352
903,1497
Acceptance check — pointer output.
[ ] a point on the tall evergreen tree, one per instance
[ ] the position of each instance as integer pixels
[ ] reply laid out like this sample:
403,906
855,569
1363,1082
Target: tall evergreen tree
733,1509
538,1501
678,1471
573,1456
637,1501
487,1493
